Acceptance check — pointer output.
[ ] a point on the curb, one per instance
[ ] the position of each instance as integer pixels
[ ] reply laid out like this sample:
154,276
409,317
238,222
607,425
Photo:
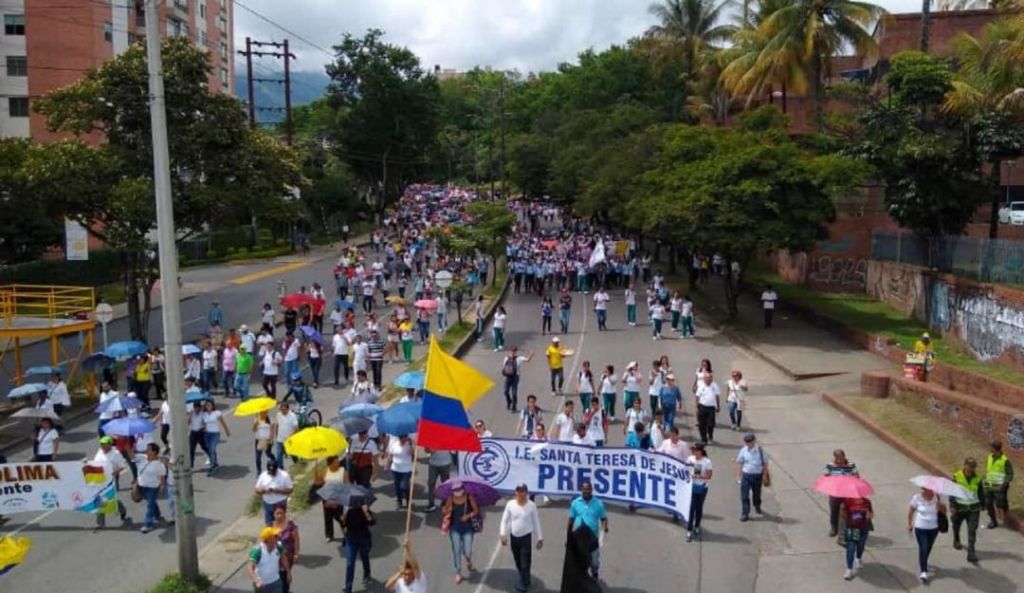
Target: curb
1012,519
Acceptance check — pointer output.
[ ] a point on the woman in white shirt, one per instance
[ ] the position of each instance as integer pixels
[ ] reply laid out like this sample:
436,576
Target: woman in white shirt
58,394
923,521
47,441
498,328
631,381
609,391
399,459
262,432
701,474
213,422
630,298
410,578
737,398
585,385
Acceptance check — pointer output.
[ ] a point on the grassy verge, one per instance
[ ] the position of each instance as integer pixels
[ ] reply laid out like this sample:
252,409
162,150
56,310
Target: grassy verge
173,583
302,479
862,312
112,294
913,425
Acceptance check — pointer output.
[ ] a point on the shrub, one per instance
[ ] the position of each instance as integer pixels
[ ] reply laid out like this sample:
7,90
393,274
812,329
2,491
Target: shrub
102,267
212,254
173,583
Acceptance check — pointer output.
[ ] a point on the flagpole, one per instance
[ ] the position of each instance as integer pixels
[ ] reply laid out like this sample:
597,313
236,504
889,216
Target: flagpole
415,457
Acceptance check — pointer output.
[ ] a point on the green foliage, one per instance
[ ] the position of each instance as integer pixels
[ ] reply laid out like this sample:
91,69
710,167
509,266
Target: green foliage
27,229
174,583
917,78
102,267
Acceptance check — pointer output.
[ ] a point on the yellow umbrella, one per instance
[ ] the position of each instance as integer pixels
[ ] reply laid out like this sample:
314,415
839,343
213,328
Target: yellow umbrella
395,300
255,405
13,551
316,442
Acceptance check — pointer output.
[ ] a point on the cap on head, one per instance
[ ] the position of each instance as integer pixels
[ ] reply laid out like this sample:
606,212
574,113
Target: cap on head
749,437
522,487
970,462
243,328
268,532
554,340
105,440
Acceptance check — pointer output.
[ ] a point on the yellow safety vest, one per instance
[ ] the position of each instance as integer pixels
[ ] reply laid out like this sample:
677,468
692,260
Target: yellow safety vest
971,485
995,472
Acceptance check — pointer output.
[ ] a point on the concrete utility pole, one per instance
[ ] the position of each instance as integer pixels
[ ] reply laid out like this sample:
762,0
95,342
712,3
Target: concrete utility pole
188,557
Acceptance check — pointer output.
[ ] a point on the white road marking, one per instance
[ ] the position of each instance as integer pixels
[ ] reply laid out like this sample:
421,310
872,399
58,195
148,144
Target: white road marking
191,321
37,519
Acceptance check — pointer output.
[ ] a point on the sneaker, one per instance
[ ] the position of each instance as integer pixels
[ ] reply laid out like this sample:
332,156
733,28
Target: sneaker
992,525
430,509
744,518
858,564
848,574
758,510
367,581
923,577
146,529
689,536
957,545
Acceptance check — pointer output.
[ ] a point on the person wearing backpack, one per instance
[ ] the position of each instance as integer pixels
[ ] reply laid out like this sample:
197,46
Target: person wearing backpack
510,370
858,513
546,309
267,562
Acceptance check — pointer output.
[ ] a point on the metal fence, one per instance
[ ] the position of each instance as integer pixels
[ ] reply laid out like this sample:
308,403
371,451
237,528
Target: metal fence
987,260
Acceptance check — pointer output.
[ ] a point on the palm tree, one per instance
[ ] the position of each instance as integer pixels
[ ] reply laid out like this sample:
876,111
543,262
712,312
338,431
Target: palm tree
746,73
988,92
805,34
690,25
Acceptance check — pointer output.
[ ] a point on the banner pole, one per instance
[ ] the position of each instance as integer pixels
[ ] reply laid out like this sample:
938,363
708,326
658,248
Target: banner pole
412,483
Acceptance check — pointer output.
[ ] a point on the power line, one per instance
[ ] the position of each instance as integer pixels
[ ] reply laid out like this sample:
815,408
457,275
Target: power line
288,31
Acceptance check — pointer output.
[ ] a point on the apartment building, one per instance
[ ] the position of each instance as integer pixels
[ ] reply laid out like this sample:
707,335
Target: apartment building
47,44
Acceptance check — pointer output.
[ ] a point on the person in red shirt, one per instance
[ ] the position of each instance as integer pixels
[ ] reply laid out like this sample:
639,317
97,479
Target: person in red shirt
857,513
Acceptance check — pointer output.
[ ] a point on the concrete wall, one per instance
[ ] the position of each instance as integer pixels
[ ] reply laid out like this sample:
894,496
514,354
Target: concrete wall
839,263
986,318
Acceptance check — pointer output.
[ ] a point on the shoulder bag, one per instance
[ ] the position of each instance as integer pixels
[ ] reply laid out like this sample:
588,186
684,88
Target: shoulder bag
766,476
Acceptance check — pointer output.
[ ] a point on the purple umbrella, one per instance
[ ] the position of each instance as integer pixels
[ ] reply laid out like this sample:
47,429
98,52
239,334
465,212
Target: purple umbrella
312,334
484,493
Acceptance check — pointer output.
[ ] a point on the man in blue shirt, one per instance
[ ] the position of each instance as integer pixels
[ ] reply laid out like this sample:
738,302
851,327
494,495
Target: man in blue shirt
669,397
215,317
589,511
751,469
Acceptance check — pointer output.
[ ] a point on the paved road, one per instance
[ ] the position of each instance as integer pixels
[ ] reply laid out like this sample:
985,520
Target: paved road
787,549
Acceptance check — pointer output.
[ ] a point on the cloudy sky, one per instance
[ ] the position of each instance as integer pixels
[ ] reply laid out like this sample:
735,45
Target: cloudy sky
527,35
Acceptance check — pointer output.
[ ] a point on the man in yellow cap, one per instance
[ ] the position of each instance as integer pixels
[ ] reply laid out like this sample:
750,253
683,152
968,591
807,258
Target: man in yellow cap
268,566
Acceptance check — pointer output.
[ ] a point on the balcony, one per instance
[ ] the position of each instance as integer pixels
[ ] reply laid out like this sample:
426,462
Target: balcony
179,8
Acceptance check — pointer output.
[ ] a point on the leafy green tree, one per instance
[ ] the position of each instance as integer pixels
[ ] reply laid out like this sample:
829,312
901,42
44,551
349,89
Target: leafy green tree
27,230
487,229
220,170
387,114
529,161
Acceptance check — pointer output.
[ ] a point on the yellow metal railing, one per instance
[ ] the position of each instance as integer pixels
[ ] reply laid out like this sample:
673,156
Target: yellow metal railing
45,302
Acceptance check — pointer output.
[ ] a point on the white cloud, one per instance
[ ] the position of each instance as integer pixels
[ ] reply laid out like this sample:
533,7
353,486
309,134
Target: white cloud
528,35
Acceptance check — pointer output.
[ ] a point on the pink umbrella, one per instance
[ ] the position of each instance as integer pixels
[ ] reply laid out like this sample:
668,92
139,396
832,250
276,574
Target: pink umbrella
425,304
843,486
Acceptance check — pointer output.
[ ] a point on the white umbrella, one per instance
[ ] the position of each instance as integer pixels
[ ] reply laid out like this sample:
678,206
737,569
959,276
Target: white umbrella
940,485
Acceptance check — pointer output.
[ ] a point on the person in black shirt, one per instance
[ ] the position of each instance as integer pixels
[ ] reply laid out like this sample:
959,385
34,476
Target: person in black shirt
358,540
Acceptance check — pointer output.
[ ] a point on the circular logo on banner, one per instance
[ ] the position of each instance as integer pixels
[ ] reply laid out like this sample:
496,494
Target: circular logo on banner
491,465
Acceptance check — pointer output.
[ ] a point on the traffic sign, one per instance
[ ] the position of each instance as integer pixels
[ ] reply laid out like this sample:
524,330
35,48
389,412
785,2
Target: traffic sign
104,313
443,279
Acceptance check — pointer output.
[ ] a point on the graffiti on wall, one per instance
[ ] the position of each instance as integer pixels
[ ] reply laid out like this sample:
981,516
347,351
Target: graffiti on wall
895,285
988,327
941,306
838,273
1015,433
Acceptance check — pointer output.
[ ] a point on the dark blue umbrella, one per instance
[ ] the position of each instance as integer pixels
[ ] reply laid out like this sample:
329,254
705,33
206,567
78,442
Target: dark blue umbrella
411,380
400,419
128,427
351,425
96,361
119,403
42,370
125,349
344,304
312,334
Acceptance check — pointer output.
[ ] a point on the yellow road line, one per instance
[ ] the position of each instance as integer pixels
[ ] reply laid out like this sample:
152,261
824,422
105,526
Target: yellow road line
269,272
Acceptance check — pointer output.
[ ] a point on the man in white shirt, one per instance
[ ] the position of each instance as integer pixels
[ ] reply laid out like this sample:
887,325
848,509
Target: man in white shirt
601,299
336,317
247,338
565,424
106,393
360,354
768,299
274,486
519,523
708,405
581,437
285,425
339,346
112,462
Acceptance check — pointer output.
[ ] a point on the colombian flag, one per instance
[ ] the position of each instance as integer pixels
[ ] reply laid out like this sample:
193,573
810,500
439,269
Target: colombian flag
450,388
12,552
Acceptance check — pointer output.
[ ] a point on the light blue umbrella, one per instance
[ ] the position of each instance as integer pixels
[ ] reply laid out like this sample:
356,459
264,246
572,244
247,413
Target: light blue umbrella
187,349
400,419
128,427
345,304
120,403
360,410
125,349
196,396
96,361
42,370
411,380
26,390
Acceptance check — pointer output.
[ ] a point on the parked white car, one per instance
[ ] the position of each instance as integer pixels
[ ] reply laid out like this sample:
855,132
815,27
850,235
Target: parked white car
1012,213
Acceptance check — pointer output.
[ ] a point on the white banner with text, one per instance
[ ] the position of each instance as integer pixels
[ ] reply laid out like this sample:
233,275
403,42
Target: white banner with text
65,485
618,475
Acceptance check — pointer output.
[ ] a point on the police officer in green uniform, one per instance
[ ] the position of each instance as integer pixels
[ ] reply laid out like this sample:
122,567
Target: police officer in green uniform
968,509
998,475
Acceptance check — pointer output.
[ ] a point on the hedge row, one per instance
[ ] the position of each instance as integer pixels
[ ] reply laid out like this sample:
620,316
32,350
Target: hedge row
102,267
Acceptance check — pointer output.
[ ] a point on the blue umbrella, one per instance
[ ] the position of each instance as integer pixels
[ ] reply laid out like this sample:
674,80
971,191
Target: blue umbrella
360,410
42,370
120,403
312,334
26,390
187,349
125,349
411,380
128,427
196,396
344,304
96,361
400,419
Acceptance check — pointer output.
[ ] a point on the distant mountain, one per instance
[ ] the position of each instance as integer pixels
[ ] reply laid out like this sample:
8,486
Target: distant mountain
307,86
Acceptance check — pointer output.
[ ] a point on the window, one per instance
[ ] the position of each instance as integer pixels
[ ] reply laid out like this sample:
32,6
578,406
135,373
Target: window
108,32
18,106
224,76
181,5
222,24
14,24
17,66
223,50
202,11
202,38
178,28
